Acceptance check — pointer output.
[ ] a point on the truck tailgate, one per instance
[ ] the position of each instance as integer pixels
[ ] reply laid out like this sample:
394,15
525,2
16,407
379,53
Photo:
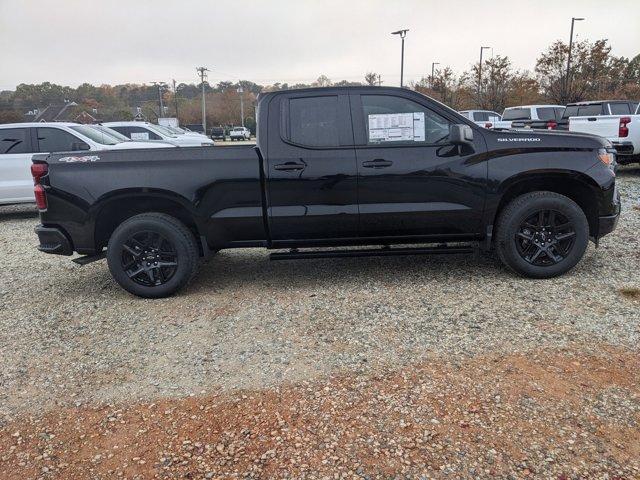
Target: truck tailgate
604,126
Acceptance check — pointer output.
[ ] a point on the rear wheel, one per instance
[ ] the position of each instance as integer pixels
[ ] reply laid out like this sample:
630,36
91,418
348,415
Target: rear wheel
542,234
152,255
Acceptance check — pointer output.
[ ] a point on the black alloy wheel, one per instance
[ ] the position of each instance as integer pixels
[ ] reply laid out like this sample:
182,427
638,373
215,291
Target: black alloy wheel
149,259
545,238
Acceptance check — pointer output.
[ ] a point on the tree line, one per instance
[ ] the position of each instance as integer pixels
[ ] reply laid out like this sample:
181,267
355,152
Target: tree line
594,73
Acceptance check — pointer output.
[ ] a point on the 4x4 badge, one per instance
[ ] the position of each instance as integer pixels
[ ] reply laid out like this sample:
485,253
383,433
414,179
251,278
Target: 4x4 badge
83,159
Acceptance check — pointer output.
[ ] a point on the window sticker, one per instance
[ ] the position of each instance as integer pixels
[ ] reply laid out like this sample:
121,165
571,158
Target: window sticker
396,127
139,136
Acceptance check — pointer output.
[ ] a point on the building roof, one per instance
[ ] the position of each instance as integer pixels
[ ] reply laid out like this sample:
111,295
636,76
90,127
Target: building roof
54,112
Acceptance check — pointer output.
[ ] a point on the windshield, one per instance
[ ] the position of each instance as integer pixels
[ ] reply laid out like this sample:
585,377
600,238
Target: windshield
176,130
97,136
110,131
517,114
238,129
160,130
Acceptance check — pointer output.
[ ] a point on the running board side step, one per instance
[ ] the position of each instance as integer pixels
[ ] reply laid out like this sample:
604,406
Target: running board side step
295,254
85,260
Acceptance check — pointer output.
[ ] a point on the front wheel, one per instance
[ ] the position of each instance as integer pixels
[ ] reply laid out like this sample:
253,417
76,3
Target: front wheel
542,234
152,255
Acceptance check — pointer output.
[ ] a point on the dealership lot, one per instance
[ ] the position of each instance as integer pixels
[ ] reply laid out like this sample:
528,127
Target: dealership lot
71,340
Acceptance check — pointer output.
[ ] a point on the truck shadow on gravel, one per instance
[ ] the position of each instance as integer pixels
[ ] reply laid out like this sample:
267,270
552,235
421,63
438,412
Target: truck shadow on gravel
232,270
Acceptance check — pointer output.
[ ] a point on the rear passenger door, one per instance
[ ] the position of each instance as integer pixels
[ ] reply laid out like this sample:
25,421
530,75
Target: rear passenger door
311,169
16,183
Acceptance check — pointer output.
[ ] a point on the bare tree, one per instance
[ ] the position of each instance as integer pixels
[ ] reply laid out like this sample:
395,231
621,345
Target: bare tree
372,78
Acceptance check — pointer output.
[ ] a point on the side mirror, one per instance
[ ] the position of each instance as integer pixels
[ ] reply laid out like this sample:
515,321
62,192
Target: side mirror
460,134
78,146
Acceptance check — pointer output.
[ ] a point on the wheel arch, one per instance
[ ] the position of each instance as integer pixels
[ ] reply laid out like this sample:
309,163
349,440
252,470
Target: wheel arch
574,185
120,205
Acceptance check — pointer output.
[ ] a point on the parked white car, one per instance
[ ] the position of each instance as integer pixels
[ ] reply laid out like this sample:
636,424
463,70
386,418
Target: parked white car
483,118
149,131
531,116
240,133
623,131
20,141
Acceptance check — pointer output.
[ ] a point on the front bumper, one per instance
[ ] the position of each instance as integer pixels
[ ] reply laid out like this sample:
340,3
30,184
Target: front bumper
608,223
53,240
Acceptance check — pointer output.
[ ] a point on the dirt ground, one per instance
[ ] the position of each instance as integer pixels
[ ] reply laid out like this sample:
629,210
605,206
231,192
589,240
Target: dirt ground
555,414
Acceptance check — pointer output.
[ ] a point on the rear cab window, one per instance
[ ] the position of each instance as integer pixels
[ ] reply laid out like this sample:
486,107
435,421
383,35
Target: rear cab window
619,108
517,114
548,113
591,110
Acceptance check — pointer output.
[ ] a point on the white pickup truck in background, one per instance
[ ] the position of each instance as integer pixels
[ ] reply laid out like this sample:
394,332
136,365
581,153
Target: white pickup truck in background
530,116
622,130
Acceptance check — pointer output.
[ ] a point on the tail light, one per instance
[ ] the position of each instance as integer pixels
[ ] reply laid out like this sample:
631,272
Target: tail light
551,125
623,130
39,170
488,125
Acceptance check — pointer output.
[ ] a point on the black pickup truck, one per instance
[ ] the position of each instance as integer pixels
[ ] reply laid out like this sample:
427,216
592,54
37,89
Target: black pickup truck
371,167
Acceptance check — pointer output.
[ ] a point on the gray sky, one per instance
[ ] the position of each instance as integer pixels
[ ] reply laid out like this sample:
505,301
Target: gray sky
139,41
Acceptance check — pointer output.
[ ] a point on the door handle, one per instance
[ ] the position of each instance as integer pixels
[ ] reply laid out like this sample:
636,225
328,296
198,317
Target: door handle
377,163
289,166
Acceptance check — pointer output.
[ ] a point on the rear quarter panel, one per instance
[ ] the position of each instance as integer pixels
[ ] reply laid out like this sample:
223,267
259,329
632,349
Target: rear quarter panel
219,186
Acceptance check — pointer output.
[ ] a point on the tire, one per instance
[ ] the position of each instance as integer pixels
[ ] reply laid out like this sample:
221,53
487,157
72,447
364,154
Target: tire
160,248
541,245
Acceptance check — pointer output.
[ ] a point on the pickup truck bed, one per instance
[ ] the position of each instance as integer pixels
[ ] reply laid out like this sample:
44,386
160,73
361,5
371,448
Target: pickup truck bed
333,167
219,187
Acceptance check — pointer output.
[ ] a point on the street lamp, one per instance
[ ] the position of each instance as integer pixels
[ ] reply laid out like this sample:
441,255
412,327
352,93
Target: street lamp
566,80
402,33
480,72
433,65
241,91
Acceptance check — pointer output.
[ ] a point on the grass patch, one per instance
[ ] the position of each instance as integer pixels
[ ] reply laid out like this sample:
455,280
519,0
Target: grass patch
631,293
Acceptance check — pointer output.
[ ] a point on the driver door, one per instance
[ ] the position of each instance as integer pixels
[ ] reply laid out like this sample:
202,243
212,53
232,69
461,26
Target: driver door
411,181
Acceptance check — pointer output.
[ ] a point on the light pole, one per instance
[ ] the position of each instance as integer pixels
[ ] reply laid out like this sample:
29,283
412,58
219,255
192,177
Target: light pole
161,86
433,65
241,91
202,71
402,33
480,73
566,80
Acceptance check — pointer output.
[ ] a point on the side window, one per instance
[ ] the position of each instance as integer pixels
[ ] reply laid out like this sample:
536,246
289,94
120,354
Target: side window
619,108
56,140
14,140
123,130
390,119
313,121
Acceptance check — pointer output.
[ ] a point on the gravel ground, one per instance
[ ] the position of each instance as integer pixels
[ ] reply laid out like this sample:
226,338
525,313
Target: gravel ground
71,339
